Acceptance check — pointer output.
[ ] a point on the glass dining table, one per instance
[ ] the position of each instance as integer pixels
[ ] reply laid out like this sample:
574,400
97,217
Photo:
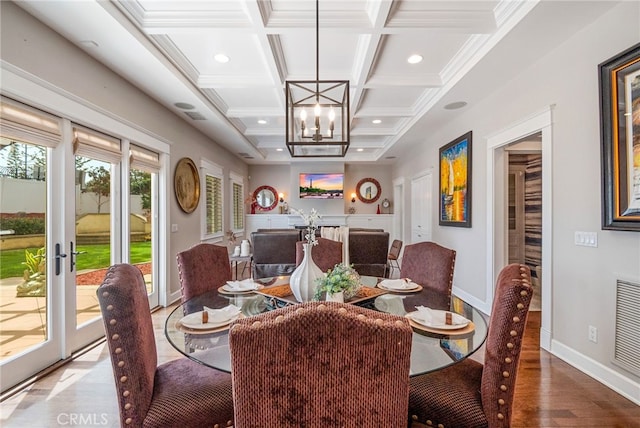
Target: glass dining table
432,348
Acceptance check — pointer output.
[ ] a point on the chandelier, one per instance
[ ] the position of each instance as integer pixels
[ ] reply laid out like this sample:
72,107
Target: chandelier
317,116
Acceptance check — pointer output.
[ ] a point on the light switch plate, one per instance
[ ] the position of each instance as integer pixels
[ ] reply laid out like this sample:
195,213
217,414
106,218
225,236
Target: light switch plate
586,239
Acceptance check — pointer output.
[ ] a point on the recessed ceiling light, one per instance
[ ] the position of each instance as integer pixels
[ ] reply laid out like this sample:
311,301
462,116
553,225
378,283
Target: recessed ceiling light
279,150
184,106
221,58
262,122
376,121
414,59
455,105
359,150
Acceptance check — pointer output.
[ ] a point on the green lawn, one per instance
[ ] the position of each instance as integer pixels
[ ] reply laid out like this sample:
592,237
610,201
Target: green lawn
92,257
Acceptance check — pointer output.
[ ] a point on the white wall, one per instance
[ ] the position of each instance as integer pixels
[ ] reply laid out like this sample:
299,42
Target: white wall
32,47
563,73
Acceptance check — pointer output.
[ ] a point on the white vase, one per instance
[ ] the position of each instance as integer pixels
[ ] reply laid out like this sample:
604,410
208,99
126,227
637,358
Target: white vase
303,279
245,248
335,297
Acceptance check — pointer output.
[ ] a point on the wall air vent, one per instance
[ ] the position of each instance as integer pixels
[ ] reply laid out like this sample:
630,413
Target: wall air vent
245,155
627,336
194,115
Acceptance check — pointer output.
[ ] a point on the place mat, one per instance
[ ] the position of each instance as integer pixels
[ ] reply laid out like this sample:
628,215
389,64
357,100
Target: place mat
181,327
400,291
283,292
445,332
222,290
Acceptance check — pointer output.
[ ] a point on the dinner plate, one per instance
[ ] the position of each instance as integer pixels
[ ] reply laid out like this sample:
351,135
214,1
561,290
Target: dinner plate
194,321
412,287
227,289
414,317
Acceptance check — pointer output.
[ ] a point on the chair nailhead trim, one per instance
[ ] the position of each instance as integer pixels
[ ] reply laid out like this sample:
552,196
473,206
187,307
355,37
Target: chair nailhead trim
399,323
115,337
414,417
120,363
105,294
118,350
501,402
127,406
361,317
523,293
126,394
113,322
256,324
520,306
279,318
110,307
500,416
507,360
319,307
229,423
429,423
505,374
503,387
379,321
123,379
510,345
342,310
216,426
440,426
513,333
516,319
127,421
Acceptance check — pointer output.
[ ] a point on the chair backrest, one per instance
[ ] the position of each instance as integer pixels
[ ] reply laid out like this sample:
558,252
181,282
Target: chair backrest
325,255
430,265
274,252
504,341
368,251
320,364
201,268
394,251
132,346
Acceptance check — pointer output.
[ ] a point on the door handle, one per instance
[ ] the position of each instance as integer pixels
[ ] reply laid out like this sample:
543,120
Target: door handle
59,256
73,256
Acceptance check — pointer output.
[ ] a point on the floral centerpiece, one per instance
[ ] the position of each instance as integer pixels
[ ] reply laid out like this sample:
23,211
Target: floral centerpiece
341,279
311,221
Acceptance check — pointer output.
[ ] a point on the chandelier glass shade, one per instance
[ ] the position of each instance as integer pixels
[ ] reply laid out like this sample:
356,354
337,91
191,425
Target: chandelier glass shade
317,116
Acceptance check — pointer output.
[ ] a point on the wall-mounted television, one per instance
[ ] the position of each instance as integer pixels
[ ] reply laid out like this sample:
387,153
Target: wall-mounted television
321,186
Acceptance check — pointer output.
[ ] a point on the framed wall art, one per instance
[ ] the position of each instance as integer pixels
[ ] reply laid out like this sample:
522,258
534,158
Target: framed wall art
455,182
619,79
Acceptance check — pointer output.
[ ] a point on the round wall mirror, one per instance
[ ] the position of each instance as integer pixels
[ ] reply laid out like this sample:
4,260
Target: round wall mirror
266,197
368,190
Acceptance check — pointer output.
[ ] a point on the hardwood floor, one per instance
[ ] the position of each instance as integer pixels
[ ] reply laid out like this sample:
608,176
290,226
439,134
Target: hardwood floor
549,392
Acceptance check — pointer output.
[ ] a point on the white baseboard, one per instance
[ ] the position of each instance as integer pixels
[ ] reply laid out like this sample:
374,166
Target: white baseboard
605,375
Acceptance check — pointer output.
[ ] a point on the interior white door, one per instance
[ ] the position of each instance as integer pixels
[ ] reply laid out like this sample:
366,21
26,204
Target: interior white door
421,206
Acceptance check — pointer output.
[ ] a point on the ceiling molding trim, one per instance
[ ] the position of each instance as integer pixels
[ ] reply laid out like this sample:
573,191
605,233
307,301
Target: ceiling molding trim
472,22
175,56
234,81
328,19
428,80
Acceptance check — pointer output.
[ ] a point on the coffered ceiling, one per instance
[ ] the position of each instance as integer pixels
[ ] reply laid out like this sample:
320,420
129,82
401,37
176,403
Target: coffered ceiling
168,49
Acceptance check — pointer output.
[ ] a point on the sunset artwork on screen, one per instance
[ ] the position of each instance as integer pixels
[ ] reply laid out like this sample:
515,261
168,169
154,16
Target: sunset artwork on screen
321,186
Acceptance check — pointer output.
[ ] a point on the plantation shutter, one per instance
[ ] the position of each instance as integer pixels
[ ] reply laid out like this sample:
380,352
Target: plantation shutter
214,204
238,207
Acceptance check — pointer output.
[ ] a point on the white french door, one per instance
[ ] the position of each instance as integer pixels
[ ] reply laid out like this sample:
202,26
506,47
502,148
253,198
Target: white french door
95,201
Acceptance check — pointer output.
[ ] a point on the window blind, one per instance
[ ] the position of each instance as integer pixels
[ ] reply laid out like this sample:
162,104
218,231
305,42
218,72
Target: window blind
143,159
93,144
25,124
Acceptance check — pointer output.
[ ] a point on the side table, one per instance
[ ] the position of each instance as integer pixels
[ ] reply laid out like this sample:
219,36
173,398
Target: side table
239,259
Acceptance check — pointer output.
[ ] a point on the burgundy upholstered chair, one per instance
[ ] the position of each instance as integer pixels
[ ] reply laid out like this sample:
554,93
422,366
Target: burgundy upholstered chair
392,258
320,364
469,394
201,268
430,265
179,393
325,255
